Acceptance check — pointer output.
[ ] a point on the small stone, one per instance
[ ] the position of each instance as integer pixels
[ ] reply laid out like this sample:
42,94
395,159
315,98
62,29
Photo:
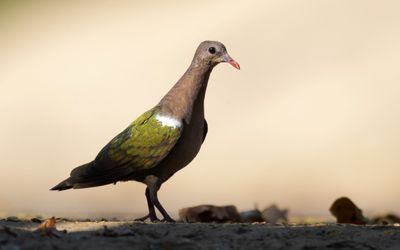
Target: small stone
251,216
386,219
13,219
273,214
36,220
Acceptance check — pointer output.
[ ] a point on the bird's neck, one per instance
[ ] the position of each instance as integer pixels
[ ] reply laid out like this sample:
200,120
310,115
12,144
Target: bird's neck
187,93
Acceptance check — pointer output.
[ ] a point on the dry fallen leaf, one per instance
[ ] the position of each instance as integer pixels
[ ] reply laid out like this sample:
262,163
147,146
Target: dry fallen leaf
48,228
48,224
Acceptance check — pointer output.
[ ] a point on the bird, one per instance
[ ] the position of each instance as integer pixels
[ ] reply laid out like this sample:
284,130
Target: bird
162,140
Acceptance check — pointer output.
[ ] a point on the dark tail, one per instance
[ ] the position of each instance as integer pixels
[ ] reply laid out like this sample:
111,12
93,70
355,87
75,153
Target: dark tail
88,175
64,185
74,179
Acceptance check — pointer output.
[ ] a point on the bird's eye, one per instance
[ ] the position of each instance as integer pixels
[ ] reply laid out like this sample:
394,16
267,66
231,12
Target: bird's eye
211,50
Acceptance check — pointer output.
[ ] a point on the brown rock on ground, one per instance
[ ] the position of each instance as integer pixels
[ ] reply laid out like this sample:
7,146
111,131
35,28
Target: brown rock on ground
346,211
386,219
209,213
273,214
251,216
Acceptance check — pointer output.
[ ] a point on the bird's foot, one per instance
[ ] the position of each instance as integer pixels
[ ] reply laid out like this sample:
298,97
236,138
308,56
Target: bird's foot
152,218
168,219
142,218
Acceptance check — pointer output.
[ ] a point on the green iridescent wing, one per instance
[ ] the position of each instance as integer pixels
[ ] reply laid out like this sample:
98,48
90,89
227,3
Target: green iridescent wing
144,143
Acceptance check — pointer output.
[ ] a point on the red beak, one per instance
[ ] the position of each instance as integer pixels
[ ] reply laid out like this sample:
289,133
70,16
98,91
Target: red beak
232,62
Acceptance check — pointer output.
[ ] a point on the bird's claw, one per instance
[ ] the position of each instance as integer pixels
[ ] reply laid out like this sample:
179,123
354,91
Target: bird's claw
168,219
152,218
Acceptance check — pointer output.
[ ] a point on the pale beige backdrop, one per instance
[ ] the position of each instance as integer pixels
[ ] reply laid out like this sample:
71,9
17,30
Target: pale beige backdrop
314,113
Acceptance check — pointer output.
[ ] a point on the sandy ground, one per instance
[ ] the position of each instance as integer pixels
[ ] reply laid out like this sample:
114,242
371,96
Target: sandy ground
15,235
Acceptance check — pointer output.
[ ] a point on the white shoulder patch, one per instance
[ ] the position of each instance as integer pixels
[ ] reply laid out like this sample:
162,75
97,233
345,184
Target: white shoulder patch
168,121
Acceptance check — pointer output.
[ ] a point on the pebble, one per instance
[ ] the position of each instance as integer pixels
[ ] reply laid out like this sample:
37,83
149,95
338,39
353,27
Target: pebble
13,219
36,220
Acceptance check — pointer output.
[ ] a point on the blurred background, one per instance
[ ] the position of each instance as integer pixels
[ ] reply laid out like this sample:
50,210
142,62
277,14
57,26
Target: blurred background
314,113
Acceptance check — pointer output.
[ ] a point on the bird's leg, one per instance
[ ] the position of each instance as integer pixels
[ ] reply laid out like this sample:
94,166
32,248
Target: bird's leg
153,185
152,213
160,208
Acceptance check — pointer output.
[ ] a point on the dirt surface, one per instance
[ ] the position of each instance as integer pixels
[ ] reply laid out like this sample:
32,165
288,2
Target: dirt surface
16,234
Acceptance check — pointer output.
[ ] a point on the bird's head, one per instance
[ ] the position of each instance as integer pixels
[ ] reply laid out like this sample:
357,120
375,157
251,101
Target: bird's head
211,53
